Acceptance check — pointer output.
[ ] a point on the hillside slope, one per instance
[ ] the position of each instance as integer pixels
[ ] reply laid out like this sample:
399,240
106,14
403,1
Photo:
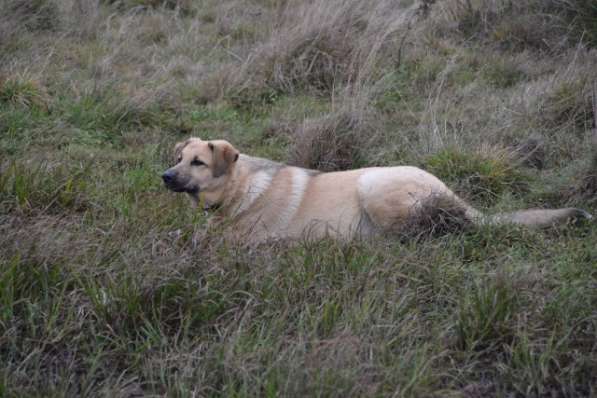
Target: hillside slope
110,285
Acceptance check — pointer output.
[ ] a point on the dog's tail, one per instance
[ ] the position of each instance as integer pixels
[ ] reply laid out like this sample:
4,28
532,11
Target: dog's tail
539,218
441,212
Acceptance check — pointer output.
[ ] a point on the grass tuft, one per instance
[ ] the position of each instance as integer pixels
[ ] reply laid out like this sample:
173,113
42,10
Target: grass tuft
481,176
34,15
485,316
502,74
25,92
537,25
183,6
567,106
312,48
336,141
42,188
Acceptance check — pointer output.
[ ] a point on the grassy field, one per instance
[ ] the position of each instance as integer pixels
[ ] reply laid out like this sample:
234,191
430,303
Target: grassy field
112,286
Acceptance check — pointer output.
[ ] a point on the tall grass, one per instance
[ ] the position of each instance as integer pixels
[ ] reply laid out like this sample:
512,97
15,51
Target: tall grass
319,47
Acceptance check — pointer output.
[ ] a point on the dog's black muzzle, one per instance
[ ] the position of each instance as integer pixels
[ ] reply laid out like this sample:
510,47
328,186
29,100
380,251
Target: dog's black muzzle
171,181
174,182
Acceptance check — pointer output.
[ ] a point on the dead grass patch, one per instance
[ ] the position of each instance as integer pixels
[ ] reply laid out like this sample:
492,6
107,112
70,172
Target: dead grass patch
317,47
339,140
34,15
183,6
539,25
586,189
531,151
567,105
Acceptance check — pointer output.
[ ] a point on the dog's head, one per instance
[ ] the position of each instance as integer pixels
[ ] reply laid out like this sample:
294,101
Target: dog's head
200,166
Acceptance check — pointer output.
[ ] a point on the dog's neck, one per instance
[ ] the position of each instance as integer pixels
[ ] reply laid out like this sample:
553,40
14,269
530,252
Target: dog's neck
248,180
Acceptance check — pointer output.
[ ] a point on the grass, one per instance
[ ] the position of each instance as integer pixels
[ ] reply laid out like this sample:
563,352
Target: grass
483,177
110,285
23,92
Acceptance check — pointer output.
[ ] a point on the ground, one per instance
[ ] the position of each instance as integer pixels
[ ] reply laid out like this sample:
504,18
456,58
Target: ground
111,285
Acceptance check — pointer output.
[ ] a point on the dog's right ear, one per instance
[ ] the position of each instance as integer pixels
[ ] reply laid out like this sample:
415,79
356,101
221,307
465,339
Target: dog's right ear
224,156
178,149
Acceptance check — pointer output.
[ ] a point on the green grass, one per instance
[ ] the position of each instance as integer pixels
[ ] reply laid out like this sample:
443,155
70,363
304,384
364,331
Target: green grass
500,74
112,286
22,92
483,177
261,322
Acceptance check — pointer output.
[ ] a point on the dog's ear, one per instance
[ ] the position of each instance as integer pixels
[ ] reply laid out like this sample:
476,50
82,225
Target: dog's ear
178,149
224,155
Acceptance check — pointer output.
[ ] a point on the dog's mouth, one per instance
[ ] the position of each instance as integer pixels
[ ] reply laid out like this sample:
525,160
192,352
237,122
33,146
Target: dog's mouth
192,190
175,188
182,188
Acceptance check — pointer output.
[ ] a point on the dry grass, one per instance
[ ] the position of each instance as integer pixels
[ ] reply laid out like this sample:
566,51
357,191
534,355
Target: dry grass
338,140
587,188
531,25
318,47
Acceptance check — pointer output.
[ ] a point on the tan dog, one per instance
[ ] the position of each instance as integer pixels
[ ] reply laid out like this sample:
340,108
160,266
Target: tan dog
268,200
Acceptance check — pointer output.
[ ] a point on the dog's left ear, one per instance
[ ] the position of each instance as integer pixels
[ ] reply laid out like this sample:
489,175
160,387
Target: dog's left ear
178,149
224,155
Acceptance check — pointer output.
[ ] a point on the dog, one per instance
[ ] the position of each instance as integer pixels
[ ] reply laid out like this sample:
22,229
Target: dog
264,200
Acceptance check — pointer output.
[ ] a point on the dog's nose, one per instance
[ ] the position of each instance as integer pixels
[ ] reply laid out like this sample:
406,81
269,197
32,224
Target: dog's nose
168,176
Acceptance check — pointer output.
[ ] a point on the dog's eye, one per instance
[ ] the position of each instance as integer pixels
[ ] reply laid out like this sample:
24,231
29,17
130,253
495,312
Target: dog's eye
197,162
179,159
